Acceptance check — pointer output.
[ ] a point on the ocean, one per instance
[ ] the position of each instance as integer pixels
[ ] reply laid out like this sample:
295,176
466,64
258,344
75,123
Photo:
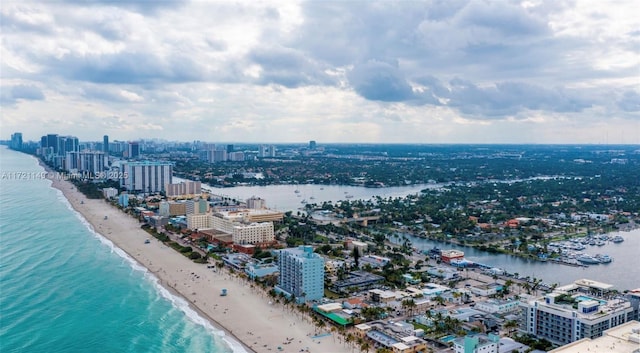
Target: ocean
65,288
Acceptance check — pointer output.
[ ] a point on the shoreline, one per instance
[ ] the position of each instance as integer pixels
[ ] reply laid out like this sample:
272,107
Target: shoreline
246,317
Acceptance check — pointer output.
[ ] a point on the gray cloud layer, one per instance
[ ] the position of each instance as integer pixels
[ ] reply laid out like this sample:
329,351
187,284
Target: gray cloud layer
480,60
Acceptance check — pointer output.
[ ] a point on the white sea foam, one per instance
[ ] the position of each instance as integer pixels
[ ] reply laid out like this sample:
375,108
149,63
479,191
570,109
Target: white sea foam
177,301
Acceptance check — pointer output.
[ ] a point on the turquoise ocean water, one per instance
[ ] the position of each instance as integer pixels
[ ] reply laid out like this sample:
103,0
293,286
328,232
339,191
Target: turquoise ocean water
64,288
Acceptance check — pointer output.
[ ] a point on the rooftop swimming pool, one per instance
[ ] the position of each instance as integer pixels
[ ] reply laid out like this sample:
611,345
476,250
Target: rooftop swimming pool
582,298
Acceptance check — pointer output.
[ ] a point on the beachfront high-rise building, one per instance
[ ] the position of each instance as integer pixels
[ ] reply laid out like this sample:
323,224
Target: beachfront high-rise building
91,162
55,145
301,273
54,148
67,144
146,176
312,145
584,309
52,141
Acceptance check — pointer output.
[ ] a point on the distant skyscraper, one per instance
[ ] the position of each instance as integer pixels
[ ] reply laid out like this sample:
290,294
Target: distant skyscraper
301,273
183,188
312,145
236,156
134,150
216,155
55,145
229,148
256,203
52,141
93,161
16,141
105,144
67,144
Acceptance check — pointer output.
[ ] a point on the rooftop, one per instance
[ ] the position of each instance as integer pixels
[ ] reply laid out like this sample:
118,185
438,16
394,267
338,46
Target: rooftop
593,284
624,338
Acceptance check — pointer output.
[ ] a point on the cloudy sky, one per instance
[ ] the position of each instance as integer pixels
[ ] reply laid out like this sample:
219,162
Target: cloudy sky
333,71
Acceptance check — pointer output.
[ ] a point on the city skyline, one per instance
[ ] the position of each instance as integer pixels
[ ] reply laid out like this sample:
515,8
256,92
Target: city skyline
370,72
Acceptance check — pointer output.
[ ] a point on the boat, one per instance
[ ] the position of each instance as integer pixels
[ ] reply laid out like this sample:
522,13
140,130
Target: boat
600,243
303,201
588,259
223,292
617,239
297,191
147,241
349,196
604,258
312,198
321,188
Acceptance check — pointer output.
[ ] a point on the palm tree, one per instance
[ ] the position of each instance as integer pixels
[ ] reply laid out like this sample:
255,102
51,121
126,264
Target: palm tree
510,326
409,304
349,339
536,284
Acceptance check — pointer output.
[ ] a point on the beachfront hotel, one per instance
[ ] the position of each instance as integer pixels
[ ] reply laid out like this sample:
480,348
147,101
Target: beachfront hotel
146,176
257,233
583,309
301,273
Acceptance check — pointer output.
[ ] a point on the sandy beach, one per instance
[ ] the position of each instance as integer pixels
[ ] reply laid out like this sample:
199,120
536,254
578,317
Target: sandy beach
246,313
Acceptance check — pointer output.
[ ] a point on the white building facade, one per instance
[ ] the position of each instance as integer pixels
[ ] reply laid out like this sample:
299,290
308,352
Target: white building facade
301,273
146,176
556,318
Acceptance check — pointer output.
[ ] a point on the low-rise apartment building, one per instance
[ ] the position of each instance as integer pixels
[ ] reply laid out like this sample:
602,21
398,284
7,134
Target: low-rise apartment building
477,344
